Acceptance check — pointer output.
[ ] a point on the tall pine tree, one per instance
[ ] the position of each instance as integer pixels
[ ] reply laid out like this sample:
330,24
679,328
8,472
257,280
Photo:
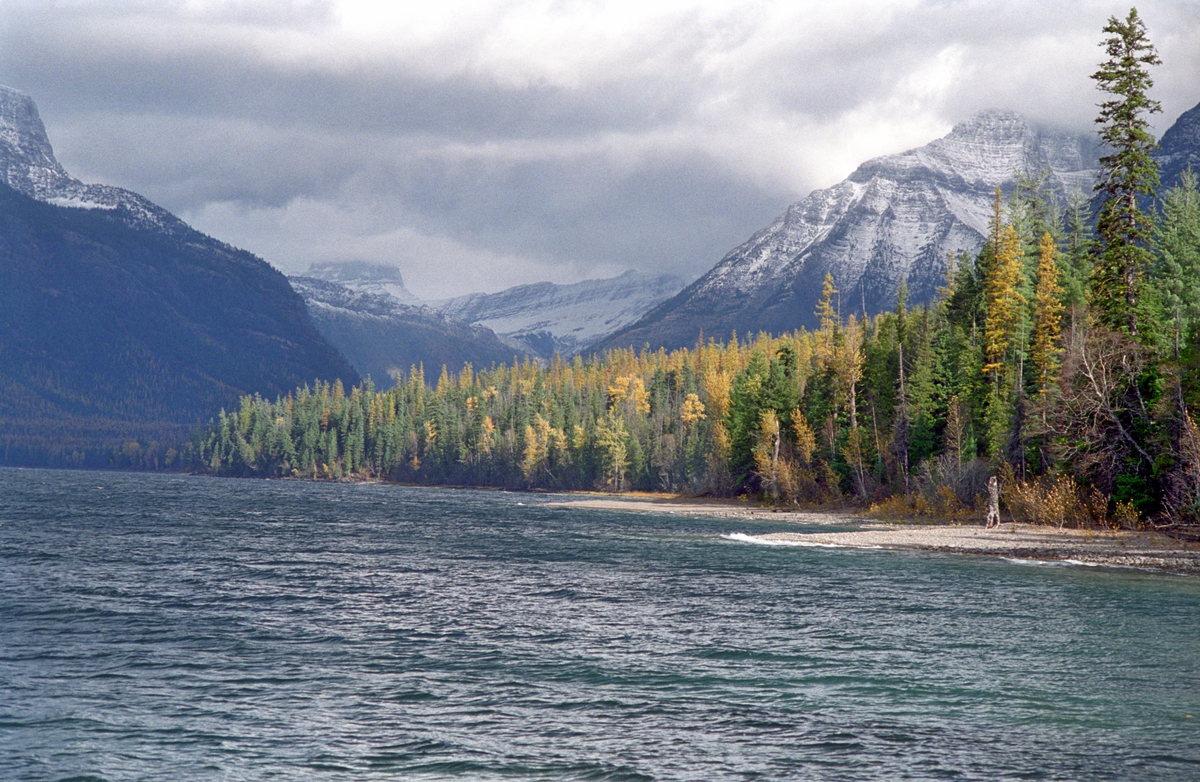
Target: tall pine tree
1127,173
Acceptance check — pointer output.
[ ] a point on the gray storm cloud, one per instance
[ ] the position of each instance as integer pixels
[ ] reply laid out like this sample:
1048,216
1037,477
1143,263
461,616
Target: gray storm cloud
482,145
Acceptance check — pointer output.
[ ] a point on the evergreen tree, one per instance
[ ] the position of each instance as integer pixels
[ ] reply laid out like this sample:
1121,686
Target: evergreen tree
1045,350
1127,173
1077,253
1178,270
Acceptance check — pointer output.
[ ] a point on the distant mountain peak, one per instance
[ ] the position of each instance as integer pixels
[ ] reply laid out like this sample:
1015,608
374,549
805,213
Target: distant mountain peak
362,271
545,318
990,123
364,276
382,336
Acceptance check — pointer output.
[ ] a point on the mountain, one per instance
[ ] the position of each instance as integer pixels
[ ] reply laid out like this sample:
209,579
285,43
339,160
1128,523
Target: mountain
382,336
545,318
28,165
1179,147
120,324
897,217
366,277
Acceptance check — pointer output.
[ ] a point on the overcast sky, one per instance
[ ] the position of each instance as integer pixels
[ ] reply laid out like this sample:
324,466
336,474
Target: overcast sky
481,145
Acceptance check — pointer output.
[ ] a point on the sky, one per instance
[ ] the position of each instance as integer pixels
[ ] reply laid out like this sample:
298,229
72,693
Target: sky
479,145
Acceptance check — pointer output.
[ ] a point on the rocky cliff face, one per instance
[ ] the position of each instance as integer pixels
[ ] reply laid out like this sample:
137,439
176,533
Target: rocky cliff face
381,336
897,217
544,318
366,277
28,165
1179,147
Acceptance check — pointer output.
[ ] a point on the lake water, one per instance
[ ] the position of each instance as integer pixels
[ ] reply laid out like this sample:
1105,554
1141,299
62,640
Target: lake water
175,627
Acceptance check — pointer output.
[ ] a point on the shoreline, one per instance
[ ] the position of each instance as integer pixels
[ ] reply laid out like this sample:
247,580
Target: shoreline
1143,550
1138,549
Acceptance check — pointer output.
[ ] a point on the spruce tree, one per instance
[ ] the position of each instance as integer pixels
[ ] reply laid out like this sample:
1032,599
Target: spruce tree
1077,253
1127,173
1179,258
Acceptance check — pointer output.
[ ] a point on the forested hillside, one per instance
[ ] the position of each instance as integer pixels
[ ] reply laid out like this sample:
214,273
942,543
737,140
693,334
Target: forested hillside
115,341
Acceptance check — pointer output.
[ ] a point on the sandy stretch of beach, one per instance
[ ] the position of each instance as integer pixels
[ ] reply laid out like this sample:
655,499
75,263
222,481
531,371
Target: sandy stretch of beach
1019,541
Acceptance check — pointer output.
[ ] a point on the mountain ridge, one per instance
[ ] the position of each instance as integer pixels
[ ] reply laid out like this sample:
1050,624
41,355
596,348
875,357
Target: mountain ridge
1179,147
119,323
895,217
382,336
547,318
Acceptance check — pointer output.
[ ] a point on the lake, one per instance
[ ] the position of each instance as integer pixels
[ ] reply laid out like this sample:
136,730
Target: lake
180,627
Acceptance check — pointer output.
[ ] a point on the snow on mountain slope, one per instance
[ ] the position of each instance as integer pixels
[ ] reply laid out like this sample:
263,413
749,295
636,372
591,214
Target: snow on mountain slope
365,276
544,318
381,336
1180,147
28,165
897,217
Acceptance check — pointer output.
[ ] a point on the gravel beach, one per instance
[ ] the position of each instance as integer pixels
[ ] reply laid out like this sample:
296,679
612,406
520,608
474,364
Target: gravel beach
1019,541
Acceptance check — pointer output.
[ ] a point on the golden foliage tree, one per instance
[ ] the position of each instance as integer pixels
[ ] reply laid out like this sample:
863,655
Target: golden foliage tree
1047,317
1004,301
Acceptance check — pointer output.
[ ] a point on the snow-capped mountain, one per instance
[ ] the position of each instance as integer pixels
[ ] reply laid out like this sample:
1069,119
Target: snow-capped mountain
897,217
382,336
28,165
545,318
364,276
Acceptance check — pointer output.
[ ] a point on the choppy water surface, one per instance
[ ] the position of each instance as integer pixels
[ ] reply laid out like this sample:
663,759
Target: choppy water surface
168,627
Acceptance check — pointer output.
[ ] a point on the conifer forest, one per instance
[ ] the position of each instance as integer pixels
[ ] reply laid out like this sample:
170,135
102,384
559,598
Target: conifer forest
1063,357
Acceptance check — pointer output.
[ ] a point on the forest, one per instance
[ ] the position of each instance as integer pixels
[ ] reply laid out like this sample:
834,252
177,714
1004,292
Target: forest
1063,357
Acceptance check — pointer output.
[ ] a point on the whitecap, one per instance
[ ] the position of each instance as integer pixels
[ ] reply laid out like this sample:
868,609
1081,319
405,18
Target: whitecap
1049,562
742,537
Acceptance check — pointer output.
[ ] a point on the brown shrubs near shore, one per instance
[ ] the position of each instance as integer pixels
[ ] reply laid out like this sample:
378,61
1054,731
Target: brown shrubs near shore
952,493
1181,500
1056,501
1043,500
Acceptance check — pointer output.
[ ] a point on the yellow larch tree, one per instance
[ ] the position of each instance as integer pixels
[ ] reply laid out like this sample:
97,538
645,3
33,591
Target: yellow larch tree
1047,316
1004,301
827,316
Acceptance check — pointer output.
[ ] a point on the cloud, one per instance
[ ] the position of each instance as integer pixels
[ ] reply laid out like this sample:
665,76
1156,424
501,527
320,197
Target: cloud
483,144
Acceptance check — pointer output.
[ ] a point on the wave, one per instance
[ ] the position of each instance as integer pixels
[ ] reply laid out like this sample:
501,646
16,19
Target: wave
742,537
1050,562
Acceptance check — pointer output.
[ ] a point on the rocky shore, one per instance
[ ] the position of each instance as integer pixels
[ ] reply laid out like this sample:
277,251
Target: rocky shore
1113,548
